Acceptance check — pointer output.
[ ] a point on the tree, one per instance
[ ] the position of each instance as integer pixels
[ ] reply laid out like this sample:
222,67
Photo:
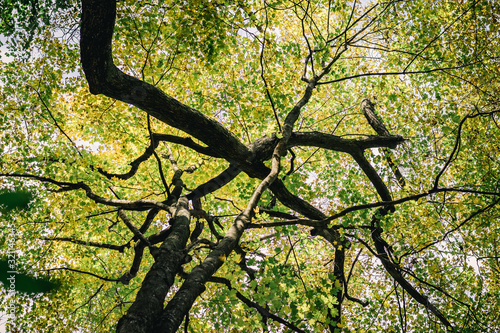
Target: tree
280,166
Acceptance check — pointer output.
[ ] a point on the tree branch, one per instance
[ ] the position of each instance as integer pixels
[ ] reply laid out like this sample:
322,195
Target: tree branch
187,142
395,271
136,263
81,272
376,123
262,311
132,227
103,77
134,165
67,186
215,183
148,304
336,143
119,248
397,73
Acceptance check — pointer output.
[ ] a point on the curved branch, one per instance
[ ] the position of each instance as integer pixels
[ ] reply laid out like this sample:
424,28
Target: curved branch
147,222
103,77
119,248
414,197
54,119
158,160
148,304
136,263
251,304
67,186
372,174
346,294
90,298
134,165
395,271
397,73
80,271
187,142
452,230
456,146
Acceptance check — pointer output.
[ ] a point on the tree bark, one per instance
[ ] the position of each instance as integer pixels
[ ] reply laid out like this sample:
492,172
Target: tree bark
148,304
103,77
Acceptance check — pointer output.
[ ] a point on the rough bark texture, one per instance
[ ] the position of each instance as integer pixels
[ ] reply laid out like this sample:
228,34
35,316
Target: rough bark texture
175,311
375,122
150,299
103,77
338,273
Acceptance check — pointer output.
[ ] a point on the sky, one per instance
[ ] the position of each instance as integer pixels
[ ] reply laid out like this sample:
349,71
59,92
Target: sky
3,50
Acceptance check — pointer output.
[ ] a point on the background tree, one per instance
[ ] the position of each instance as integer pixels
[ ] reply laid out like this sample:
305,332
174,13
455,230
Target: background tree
297,166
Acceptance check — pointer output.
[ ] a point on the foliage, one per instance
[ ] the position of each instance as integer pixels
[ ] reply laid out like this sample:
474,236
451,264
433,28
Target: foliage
281,166
21,20
10,200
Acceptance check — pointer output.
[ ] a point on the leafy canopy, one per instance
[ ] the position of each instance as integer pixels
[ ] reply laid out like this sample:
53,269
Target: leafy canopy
273,165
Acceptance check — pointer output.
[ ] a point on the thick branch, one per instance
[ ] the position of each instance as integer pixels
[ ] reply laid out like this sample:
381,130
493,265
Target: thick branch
333,142
372,174
215,183
147,222
375,122
338,273
187,142
194,285
149,300
103,77
136,263
294,202
395,271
